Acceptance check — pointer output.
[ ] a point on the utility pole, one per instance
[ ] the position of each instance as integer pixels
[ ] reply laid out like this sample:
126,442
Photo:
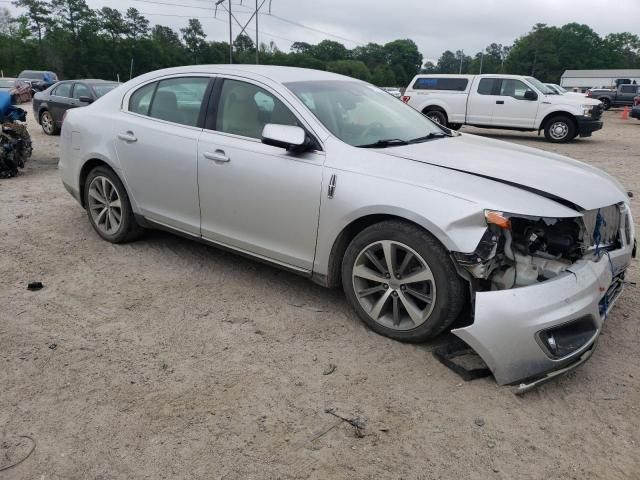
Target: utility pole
481,61
230,31
257,41
461,57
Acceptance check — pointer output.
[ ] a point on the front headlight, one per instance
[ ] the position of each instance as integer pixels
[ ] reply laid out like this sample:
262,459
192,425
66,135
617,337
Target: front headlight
586,110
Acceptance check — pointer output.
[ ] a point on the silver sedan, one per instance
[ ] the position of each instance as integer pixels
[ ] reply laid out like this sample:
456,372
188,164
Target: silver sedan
334,179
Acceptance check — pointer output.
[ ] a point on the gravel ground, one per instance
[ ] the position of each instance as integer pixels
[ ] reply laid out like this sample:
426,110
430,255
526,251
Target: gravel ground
165,358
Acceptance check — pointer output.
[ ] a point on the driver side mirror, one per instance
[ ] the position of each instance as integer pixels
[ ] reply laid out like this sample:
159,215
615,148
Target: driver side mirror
291,137
85,99
530,95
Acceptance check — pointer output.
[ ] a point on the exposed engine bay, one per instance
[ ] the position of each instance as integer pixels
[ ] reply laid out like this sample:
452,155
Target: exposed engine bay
518,251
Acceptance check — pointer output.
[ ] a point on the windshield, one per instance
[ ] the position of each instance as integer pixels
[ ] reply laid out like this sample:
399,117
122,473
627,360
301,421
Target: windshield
32,74
362,115
542,88
103,88
560,89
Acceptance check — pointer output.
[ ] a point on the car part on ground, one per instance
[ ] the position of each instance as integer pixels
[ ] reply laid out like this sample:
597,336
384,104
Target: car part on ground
416,222
15,141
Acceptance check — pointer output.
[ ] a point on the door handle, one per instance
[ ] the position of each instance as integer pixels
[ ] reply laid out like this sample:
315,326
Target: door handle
500,102
217,156
128,137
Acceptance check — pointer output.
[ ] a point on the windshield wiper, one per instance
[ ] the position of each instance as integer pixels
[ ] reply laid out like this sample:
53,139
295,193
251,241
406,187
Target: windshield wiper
389,142
430,136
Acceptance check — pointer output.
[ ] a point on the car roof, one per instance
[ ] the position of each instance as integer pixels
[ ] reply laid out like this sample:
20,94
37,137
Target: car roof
272,72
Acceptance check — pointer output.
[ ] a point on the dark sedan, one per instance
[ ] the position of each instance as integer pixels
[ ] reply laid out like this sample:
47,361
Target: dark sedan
49,106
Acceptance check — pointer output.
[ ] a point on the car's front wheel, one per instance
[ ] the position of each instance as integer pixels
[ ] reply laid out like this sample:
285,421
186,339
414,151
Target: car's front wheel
48,123
560,129
401,281
108,207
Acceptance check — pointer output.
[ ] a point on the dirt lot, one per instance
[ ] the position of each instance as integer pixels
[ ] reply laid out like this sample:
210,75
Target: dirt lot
169,359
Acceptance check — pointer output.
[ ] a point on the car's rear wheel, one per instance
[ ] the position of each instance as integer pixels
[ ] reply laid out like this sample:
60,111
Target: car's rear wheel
48,123
560,129
108,207
401,282
437,116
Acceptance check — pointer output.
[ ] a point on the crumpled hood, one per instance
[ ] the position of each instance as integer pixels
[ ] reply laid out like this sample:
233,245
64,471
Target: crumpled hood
557,177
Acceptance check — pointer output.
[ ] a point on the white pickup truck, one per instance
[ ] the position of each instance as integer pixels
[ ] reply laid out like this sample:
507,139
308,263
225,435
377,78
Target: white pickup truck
510,102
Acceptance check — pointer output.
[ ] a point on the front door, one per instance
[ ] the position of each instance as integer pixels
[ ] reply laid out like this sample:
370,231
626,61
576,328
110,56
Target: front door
254,197
157,144
515,110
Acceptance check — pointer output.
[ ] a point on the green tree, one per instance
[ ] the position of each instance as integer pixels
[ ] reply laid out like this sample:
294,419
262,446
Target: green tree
328,51
194,38
383,76
38,15
137,25
404,59
351,68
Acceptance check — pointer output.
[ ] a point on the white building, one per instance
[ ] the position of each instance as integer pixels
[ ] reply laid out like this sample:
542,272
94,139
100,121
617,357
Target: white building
583,79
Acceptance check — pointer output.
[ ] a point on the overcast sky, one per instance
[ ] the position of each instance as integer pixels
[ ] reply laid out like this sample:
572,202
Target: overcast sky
434,25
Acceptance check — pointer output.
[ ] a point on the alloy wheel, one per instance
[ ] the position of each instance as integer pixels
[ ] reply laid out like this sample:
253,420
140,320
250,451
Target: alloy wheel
46,120
105,205
394,285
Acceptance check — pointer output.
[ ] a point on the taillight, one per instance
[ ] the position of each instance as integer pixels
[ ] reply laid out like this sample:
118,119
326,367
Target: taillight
406,98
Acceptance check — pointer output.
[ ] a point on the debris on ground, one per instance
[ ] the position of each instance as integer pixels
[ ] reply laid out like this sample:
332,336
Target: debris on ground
330,369
15,141
34,286
357,423
479,422
462,359
7,446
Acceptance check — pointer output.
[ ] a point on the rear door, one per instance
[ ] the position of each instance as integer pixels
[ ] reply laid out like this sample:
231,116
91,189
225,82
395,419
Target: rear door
482,101
156,138
60,100
512,109
256,197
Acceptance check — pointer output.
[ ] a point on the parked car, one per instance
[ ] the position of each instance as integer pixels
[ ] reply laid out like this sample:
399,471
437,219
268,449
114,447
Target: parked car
393,91
40,79
50,105
562,91
619,97
332,178
510,102
635,111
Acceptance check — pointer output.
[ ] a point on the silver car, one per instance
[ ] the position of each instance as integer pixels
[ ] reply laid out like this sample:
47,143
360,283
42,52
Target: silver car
334,179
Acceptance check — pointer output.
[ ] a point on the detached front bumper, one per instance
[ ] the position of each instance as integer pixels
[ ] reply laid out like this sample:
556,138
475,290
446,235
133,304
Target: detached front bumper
588,125
511,327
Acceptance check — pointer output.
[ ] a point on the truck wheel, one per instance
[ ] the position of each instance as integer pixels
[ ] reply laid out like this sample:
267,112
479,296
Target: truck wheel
560,129
455,126
437,116
606,103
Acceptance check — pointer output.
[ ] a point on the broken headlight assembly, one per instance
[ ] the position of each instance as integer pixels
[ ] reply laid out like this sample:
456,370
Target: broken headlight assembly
519,250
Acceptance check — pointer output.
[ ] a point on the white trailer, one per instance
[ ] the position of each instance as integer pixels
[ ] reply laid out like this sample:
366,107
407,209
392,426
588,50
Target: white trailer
585,79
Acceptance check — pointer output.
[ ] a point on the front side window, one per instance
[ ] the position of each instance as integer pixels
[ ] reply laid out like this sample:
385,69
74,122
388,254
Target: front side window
63,90
81,90
513,88
244,109
360,114
628,89
179,100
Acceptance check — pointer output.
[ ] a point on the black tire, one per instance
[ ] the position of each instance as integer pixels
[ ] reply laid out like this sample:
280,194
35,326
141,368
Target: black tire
437,116
455,126
560,129
128,230
606,103
48,124
450,290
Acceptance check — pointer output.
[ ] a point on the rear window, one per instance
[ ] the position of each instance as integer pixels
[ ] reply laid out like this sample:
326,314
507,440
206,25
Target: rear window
440,83
32,74
486,85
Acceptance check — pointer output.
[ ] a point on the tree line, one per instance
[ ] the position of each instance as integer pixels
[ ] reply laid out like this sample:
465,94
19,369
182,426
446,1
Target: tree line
76,41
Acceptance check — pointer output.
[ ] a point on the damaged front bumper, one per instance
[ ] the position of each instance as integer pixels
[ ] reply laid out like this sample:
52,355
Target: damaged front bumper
525,334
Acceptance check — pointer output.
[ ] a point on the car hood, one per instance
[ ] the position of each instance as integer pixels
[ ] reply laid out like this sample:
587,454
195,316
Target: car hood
559,178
